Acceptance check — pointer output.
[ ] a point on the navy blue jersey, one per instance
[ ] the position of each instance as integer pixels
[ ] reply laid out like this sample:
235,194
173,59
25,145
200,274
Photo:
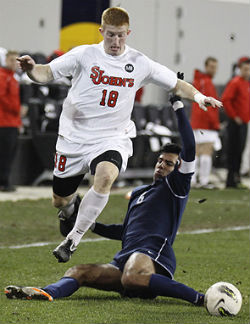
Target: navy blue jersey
153,218
155,211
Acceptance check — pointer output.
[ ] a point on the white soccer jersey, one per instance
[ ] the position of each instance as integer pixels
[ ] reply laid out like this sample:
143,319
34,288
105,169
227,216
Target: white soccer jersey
101,99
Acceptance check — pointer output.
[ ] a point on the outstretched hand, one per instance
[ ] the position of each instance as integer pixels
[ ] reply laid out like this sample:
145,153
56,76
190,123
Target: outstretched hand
210,101
204,101
26,63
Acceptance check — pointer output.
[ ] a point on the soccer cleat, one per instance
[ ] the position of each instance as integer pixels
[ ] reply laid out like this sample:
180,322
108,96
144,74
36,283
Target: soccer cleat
67,223
19,292
64,250
200,300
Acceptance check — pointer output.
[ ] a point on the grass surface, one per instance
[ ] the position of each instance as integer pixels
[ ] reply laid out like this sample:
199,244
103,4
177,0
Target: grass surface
202,260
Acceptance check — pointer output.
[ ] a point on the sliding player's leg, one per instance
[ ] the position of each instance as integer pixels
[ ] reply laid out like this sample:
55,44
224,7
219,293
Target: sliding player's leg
140,272
138,268
99,276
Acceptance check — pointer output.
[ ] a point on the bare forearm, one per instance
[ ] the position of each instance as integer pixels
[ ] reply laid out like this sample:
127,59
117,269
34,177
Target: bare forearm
185,90
40,73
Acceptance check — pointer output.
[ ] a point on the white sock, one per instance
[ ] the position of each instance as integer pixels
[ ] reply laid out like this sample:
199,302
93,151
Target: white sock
69,208
90,208
205,169
194,177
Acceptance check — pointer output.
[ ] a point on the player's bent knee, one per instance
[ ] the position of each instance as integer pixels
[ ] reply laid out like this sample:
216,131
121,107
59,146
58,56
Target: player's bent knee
129,280
84,273
103,181
59,202
106,180
71,272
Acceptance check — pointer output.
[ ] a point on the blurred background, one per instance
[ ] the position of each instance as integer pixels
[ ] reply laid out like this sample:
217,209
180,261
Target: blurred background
180,34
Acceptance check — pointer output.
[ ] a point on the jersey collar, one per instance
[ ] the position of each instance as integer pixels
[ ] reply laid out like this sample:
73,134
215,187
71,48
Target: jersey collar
112,57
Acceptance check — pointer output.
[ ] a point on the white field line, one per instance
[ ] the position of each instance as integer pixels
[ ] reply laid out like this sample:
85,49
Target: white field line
212,230
199,231
50,243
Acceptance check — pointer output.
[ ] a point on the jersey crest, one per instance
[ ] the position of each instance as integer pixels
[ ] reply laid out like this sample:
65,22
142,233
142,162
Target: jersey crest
129,68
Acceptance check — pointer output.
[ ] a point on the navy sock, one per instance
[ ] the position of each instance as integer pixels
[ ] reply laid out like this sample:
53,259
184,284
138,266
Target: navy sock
65,287
164,286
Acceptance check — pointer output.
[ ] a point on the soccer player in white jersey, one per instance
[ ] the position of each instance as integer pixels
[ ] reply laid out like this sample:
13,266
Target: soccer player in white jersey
95,126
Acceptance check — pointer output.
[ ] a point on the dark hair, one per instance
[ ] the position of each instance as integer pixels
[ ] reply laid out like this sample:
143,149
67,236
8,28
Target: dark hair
210,59
171,148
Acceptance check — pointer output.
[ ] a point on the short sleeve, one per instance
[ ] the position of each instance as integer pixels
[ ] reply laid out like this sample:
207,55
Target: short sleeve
161,75
65,65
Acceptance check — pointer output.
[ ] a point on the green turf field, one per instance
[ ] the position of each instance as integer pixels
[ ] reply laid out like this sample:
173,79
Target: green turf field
202,259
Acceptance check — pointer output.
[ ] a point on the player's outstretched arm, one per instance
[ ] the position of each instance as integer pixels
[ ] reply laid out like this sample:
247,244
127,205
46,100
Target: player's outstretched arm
185,129
186,90
37,72
112,231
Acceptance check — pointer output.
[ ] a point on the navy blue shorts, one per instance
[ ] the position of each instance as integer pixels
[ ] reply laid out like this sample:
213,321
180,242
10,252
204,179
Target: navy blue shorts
121,258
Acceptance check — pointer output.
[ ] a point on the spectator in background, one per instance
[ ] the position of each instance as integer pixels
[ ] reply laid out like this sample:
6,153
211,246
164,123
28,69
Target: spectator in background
205,125
236,102
245,165
3,52
10,119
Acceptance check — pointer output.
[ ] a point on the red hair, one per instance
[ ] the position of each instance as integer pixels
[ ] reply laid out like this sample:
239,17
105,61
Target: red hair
115,16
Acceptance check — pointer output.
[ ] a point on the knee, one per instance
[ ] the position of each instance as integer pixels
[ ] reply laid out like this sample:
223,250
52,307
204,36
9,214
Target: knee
129,280
72,272
59,202
103,181
105,175
83,273
106,180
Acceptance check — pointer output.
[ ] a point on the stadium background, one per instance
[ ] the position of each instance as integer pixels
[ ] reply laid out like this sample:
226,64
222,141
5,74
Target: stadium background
179,34
213,244
162,29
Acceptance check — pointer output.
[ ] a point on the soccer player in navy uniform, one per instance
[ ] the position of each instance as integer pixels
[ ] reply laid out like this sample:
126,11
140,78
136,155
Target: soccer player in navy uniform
146,264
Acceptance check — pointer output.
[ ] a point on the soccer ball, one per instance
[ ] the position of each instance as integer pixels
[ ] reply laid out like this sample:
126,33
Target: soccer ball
223,299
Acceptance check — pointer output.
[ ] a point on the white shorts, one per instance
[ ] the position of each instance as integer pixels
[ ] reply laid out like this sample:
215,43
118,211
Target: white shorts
208,136
73,159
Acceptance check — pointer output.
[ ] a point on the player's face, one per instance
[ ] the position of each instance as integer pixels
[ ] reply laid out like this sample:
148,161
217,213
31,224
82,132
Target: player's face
245,71
211,68
114,38
11,62
165,165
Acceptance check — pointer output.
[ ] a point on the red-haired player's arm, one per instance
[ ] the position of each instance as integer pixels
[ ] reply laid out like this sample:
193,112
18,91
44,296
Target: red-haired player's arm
37,72
186,90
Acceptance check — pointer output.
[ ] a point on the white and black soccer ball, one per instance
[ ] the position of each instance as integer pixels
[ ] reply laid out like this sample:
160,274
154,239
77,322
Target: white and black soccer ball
223,299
